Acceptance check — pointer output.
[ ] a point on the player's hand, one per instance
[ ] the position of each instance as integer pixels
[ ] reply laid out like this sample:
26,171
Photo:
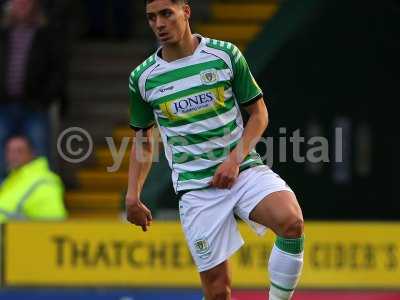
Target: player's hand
226,175
138,213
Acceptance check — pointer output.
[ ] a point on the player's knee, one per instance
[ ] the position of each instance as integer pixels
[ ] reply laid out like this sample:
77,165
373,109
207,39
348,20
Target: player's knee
293,227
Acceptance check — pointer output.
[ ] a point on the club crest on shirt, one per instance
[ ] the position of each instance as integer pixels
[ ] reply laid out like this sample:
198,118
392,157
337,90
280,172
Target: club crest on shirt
209,77
202,248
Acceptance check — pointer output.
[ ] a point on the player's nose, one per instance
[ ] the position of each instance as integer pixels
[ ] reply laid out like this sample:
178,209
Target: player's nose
160,24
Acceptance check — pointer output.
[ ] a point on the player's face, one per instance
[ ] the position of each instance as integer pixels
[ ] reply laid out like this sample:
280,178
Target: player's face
168,20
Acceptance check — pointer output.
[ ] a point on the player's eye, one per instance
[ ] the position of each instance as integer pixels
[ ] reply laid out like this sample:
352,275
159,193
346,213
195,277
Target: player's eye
167,13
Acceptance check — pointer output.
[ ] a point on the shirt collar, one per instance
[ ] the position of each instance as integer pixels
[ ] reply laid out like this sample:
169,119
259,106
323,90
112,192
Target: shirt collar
196,51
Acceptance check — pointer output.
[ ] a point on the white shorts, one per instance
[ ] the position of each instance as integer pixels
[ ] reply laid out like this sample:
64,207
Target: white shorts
207,216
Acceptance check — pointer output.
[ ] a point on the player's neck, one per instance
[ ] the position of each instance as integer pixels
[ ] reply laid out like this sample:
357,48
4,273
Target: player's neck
183,48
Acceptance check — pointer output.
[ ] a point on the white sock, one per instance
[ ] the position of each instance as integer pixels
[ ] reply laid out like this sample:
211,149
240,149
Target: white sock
284,267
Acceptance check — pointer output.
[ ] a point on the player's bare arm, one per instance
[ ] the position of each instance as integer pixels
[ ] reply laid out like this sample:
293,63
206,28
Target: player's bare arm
228,171
140,162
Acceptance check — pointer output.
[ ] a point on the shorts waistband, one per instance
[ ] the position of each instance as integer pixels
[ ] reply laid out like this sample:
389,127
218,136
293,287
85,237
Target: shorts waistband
251,165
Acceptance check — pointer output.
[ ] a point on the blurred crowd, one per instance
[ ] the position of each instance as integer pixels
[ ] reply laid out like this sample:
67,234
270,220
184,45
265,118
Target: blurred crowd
35,44
33,65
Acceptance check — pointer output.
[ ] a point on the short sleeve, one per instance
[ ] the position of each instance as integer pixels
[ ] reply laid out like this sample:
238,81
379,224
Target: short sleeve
245,86
140,112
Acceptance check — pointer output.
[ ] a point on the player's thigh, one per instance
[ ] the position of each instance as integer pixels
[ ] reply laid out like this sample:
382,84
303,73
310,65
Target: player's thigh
254,187
281,212
217,281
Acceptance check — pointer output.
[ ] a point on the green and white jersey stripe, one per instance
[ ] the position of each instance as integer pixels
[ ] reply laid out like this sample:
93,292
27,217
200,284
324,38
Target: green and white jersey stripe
195,103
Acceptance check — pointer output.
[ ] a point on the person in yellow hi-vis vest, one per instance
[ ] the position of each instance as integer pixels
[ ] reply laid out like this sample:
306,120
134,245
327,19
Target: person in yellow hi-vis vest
31,191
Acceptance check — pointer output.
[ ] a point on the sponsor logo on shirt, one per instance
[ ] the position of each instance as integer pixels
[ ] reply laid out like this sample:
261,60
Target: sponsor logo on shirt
192,105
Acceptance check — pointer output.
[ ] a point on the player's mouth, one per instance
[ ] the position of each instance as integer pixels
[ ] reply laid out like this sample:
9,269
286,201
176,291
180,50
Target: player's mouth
163,36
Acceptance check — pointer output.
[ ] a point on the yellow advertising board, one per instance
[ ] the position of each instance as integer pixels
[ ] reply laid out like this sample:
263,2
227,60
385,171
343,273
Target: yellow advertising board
337,255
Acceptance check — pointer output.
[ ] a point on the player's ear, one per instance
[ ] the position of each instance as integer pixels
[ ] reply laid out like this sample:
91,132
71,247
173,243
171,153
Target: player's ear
187,11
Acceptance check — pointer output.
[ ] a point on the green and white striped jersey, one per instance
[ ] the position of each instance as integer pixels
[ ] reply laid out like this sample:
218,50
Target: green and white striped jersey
195,103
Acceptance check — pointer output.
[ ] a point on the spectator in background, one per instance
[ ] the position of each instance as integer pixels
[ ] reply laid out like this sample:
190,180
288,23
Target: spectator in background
31,191
61,15
32,64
